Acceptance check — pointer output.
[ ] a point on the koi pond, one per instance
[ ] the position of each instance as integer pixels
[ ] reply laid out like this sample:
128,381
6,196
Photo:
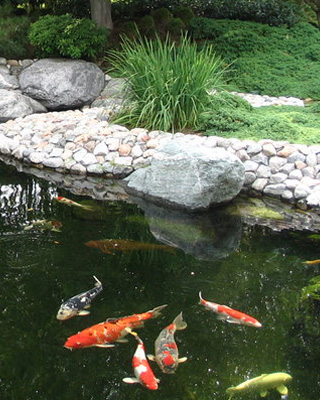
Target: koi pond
250,261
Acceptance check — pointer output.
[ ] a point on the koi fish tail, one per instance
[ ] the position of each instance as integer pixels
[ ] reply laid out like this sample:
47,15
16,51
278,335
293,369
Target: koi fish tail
135,335
179,322
86,207
230,391
157,311
201,299
98,283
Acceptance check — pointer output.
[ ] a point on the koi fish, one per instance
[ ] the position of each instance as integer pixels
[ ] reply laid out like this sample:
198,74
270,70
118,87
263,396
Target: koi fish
262,384
76,304
44,225
166,350
72,203
109,246
112,330
142,370
230,315
312,262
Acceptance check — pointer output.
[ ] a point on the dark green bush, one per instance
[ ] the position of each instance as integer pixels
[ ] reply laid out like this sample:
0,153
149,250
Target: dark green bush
161,16
184,13
175,26
65,36
272,12
14,37
146,26
129,29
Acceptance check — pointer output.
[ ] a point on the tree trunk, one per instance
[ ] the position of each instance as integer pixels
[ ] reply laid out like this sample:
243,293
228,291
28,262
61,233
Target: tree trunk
101,13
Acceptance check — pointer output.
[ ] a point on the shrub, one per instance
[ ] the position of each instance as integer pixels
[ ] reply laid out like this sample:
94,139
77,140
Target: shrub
161,16
14,37
168,84
146,26
184,13
65,36
271,12
129,29
175,26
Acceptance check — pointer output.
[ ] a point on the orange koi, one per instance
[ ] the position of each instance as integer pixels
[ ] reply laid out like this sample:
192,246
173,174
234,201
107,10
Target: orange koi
230,315
312,262
109,246
72,203
112,330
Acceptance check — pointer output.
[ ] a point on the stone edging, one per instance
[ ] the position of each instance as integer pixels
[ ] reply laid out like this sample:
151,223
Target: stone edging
82,142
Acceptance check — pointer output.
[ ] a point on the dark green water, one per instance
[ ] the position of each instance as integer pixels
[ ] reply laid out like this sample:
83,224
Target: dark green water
260,272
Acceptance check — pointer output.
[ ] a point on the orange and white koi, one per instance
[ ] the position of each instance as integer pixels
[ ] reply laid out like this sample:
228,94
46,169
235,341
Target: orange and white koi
110,331
72,203
166,349
230,315
141,368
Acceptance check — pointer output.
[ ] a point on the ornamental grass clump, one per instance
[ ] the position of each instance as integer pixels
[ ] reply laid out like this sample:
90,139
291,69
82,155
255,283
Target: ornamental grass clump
168,83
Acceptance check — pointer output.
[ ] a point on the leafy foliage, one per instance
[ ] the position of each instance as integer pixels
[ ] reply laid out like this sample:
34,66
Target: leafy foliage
268,60
13,37
65,36
231,116
168,84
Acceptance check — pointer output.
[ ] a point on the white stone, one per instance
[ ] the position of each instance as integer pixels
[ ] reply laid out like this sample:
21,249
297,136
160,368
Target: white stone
263,171
275,189
53,162
101,149
89,159
268,149
301,191
37,157
259,184
250,165
275,163
78,155
292,183
295,174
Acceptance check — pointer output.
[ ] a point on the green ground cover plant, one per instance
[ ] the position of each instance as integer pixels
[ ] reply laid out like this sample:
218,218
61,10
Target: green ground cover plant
232,116
168,85
277,61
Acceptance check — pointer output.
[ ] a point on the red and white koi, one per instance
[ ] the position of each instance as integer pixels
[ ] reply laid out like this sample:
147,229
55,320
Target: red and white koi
230,315
166,349
141,368
72,203
110,331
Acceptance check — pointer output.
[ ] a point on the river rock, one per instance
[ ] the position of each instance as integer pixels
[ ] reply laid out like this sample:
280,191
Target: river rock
14,104
61,84
189,177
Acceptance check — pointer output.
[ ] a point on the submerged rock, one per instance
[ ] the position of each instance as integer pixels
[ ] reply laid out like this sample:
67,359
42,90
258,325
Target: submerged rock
191,177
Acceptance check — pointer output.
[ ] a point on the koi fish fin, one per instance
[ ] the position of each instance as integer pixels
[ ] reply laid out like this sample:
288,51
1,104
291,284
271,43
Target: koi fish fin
151,357
232,321
104,346
182,359
87,306
98,283
157,311
221,317
83,313
122,340
264,393
179,322
130,380
282,389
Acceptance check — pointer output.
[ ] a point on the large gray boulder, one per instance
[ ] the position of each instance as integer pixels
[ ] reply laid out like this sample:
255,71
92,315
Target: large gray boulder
61,84
13,104
189,177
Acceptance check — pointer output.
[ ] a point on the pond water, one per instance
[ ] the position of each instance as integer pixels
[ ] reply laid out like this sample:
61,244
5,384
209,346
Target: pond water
252,268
